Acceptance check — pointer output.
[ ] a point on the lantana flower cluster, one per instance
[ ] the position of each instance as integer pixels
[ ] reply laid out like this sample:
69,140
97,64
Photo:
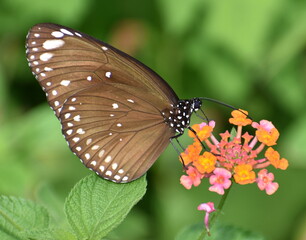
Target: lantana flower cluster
238,157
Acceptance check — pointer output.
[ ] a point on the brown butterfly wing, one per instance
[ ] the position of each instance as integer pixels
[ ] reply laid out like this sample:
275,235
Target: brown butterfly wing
118,138
110,105
66,61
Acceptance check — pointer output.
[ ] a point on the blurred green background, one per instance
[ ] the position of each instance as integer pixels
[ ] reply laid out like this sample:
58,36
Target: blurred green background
247,53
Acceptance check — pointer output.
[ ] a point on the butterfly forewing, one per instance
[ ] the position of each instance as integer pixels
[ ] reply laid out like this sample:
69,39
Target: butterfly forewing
111,107
66,61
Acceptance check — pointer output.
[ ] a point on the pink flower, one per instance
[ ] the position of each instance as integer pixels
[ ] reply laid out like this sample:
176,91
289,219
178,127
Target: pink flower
208,208
193,178
265,124
220,180
264,182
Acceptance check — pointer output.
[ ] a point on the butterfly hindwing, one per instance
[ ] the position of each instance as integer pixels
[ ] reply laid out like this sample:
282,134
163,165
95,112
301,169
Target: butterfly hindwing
118,138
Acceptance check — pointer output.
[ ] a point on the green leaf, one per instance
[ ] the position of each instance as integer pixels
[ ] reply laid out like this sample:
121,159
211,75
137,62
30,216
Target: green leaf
233,133
95,206
50,234
17,215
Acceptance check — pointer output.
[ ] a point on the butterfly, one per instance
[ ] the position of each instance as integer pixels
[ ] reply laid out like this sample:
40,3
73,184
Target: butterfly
117,115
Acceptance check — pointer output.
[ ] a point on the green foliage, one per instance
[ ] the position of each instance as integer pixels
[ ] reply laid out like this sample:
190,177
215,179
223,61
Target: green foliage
17,216
93,208
247,53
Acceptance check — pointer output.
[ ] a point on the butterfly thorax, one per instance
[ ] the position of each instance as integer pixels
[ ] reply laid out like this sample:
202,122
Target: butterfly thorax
178,117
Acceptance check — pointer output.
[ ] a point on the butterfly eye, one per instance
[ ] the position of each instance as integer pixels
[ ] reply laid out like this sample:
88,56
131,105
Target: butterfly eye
117,115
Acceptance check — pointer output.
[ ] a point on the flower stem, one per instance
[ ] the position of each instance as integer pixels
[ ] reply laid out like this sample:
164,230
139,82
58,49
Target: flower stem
215,215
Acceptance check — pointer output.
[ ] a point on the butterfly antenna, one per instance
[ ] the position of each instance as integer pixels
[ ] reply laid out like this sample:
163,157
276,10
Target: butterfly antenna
222,103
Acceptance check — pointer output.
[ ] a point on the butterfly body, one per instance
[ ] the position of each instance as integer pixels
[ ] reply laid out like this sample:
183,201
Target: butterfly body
117,115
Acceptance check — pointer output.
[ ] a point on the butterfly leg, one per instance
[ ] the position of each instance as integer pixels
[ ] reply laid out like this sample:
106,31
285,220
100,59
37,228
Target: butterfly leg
177,150
195,133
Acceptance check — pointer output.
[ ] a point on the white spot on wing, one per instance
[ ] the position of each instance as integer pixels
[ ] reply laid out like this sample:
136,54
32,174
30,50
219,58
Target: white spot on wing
89,78
114,166
67,115
107,159
119,125
108,74
121,171
93,162
101,153
87,156
63,30
104,48
95,147
48,69
108,173
54,92
57,34
130,100
125,178
102,168
75,139
78,148
77,118
115,105
36,35
45,56
80,131
88,141
52,44
65,83
69,132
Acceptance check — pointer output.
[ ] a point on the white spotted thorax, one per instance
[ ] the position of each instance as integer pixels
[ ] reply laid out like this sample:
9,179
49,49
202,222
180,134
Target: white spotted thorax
114,110
179,116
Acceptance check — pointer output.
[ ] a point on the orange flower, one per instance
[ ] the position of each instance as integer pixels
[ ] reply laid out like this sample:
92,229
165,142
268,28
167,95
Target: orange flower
203,131
195,127
274,158
266,132
268,138
240,118
244,174
206,162
191,153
